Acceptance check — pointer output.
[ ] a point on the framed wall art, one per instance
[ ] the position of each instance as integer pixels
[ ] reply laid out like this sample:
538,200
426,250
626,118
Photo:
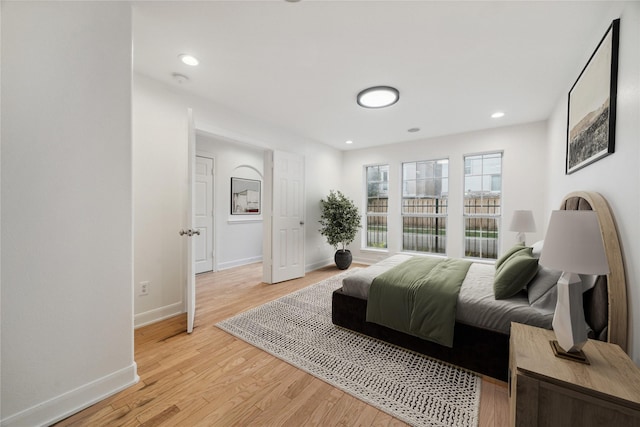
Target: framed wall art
591,120
245,196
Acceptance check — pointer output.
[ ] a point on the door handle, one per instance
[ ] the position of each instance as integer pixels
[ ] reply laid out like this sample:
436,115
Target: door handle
189,232
301,222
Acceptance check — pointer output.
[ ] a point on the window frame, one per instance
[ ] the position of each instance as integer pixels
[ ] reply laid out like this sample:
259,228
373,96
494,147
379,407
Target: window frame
404,214
492,216
367,214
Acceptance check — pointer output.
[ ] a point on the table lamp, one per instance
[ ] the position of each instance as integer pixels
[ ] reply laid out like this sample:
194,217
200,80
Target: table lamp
573,244
522,222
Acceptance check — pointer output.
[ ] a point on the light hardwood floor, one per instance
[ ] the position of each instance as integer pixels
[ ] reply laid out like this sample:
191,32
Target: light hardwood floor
211,378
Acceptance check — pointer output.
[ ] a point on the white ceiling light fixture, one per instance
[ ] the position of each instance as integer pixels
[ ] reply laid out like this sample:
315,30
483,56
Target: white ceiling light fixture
348,142
497,115
378,97
188,59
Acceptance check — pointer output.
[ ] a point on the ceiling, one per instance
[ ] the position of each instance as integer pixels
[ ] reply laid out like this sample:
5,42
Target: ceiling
300,65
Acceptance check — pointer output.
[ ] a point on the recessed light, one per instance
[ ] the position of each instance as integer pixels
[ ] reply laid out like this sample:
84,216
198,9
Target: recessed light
497,115
412,130
188,59
180,78
378,97
348,142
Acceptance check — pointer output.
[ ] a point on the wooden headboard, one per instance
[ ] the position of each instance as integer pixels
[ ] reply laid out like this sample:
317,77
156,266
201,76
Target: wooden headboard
608,321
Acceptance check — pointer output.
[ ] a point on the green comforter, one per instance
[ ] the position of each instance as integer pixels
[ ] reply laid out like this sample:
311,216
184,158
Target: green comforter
419,297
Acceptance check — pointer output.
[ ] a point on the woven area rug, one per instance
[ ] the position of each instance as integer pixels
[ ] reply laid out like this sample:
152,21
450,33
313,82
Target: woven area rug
418,390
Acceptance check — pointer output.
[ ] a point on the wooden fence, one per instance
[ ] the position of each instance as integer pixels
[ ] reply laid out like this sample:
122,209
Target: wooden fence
428,234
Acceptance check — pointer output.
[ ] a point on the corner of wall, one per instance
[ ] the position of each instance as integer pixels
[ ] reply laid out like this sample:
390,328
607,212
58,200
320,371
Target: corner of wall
67,404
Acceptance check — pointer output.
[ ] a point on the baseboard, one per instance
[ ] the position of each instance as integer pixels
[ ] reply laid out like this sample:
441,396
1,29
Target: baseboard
365,261
158,314
67,404
319,264
239,262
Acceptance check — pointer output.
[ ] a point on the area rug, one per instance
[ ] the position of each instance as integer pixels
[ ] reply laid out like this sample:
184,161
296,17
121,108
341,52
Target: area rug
416,389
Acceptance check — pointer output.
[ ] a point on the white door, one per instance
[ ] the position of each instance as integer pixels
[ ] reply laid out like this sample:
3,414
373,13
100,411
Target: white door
190,231
203,243
285,179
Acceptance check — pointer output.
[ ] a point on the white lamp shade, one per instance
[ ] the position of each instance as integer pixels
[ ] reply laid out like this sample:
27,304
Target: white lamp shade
522,221
573,243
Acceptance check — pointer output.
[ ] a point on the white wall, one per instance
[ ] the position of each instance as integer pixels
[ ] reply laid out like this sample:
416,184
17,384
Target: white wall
523,180
238,238
159,182
160,185
617,176
67,307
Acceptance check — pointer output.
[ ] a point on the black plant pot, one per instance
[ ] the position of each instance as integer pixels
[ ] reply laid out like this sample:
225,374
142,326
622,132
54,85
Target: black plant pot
343,259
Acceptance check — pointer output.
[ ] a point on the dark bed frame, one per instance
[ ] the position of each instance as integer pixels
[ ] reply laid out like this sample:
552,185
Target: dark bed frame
486,351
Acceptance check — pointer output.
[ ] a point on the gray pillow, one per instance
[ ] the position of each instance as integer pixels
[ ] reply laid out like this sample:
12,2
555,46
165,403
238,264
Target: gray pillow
542,291
514,274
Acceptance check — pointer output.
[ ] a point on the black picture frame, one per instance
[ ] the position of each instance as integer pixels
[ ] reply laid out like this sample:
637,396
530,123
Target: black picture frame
246,197
591,118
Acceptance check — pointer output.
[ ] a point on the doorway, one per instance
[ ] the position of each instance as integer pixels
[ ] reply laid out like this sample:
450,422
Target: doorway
235,238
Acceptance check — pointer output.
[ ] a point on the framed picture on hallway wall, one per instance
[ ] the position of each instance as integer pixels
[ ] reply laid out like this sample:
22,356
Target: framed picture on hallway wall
245,196
591,120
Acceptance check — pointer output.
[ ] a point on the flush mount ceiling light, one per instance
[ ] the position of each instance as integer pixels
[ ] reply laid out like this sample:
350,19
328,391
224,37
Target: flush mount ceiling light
188,59
497,115
378,97
348,142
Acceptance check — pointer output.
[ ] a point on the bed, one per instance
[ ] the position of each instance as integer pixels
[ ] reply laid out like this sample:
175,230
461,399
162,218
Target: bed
480,336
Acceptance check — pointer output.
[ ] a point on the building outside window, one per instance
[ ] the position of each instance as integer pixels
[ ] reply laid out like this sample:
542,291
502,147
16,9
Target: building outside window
377,206
482,204
425,196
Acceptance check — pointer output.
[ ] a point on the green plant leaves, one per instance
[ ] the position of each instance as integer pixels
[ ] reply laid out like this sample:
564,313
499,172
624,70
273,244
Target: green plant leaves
339,219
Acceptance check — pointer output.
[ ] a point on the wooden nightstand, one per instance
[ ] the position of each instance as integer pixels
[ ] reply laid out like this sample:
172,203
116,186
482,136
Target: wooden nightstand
545,390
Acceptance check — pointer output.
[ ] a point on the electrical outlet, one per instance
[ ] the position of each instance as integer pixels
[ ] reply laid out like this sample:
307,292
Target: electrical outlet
144,288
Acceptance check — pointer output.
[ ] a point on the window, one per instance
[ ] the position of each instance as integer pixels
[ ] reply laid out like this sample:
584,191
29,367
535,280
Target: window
425,196
482,204
377,206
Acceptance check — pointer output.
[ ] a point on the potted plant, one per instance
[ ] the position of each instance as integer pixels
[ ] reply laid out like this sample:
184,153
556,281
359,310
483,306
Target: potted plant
340,221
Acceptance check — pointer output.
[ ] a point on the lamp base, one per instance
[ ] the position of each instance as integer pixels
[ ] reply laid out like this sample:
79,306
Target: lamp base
576,356
568,320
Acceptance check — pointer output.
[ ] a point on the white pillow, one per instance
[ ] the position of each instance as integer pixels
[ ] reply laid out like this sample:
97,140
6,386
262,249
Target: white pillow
537,249
588,281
